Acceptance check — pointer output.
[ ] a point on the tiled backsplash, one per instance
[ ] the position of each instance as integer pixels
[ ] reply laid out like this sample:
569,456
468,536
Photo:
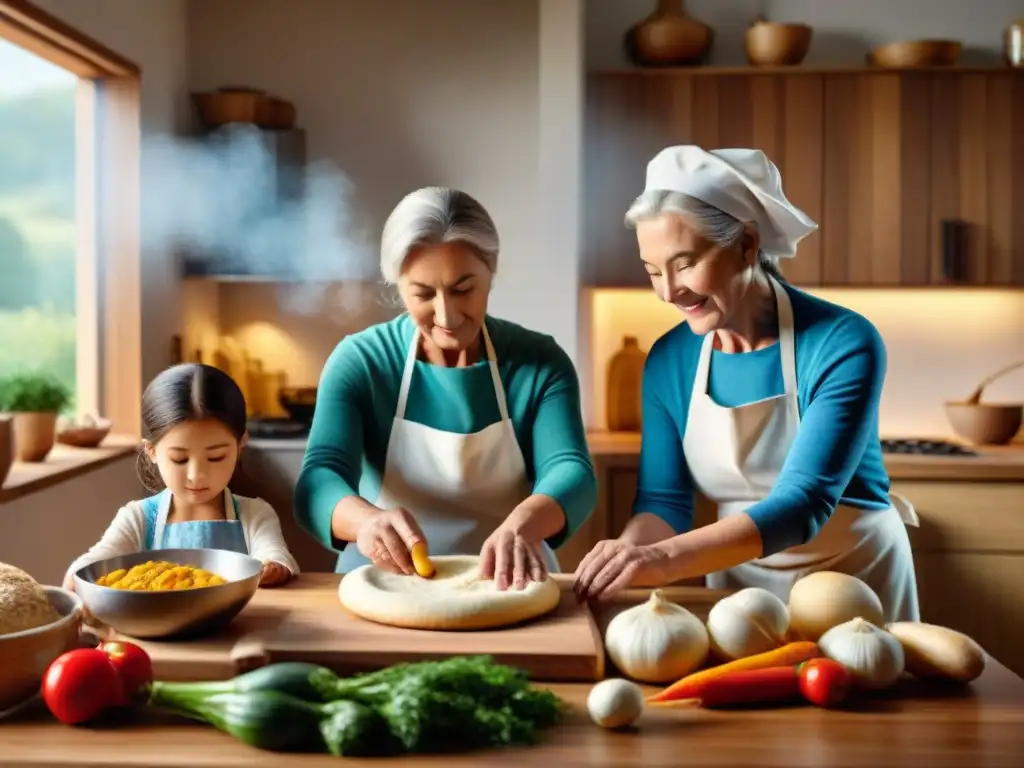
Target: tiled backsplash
940,342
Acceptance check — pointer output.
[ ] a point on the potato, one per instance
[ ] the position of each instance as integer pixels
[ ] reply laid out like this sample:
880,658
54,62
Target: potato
935,652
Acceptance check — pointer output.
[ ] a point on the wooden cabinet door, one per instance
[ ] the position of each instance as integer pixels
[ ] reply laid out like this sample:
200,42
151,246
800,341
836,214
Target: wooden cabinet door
630,117
875,185
976,174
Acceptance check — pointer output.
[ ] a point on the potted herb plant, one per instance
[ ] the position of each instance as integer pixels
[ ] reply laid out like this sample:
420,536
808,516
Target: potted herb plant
34,401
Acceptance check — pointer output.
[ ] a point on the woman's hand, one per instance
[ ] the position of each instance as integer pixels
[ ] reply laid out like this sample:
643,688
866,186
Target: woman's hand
387,538
274,575
511,559
616,564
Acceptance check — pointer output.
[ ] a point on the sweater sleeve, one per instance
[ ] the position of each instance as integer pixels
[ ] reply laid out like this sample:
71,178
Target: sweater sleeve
266,540
332,464
561,458
664,484
124,536
839,420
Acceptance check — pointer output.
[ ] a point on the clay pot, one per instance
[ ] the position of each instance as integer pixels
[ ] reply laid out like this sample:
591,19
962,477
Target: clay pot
6,447
668,37
34,435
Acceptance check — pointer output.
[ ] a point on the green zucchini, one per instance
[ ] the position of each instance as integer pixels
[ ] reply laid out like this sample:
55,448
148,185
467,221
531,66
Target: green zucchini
290,677
266,719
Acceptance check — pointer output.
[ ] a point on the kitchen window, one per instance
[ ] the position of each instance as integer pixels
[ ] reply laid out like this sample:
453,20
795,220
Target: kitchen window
69,212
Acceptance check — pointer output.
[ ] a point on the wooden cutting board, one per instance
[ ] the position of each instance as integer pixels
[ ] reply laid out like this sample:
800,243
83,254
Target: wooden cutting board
305,621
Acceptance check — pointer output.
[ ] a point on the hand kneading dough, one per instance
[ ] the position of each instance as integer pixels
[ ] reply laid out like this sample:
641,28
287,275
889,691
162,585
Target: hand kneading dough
456,598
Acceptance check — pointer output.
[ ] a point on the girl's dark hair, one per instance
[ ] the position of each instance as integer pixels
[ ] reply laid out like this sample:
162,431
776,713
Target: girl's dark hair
187,392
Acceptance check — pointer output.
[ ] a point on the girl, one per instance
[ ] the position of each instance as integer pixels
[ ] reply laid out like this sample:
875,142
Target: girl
195,421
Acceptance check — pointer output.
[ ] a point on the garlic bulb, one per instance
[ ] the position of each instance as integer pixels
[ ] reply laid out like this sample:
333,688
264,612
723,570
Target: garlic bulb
615,703
873,657
656,641
746,623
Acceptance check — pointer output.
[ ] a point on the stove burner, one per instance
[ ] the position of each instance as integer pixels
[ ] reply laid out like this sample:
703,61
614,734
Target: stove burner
925,448
277,428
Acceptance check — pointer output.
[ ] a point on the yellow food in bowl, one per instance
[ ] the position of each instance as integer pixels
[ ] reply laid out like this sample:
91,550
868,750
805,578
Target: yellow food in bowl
159,576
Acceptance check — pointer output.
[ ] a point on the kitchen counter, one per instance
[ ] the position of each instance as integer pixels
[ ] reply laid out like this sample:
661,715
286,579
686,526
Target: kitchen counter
993,464
982,725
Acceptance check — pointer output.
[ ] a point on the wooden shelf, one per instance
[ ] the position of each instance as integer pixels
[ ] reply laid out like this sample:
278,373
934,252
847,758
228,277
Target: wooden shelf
799,69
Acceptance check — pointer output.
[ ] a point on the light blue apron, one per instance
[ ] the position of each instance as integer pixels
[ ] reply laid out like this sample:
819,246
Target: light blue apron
197,534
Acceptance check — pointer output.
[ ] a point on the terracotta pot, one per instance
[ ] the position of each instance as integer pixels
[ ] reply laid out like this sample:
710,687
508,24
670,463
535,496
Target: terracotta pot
6,447
668,37
34,435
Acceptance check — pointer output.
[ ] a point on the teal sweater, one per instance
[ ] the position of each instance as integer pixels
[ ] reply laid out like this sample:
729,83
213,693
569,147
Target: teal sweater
837,456
358,395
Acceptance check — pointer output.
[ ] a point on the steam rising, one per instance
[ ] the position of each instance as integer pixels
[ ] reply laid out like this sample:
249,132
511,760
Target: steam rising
228,207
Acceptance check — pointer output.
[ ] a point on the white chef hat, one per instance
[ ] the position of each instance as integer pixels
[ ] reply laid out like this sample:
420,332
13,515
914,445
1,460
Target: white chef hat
741,182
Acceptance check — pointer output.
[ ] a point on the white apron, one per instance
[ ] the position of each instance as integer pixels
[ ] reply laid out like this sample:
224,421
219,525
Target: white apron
735,456
459,488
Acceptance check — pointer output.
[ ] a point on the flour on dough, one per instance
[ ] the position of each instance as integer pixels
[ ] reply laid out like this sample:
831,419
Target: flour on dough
455,598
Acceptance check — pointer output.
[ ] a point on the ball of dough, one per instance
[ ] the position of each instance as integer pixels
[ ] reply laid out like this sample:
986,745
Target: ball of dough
455,598
23,602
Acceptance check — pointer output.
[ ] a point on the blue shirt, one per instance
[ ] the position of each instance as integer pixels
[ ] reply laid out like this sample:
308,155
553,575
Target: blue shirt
836,457
358,395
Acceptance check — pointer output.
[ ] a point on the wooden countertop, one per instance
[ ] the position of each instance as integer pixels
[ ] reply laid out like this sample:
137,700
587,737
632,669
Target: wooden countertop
994,463
980,725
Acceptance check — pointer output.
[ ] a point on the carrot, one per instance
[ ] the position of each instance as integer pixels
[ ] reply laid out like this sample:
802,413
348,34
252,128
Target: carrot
787,655
751,686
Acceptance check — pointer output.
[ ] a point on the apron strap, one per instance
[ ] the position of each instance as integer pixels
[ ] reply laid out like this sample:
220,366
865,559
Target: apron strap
787,346
787,336
164,508
410,366
499,388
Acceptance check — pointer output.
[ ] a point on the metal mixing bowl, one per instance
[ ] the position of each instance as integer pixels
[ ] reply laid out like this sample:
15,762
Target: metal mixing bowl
171,614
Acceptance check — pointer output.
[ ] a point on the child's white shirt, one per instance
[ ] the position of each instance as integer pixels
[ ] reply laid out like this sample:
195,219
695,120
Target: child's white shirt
126,534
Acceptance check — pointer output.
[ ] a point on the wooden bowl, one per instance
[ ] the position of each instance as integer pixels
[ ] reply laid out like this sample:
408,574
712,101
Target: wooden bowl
85,437
773,44
911,54
25,655
985,423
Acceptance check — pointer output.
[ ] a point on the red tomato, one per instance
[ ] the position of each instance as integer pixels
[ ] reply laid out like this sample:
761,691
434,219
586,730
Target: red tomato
824,682
133,665
79,685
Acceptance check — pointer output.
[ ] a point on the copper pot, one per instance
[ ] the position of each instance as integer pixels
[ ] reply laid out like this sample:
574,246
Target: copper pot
668,37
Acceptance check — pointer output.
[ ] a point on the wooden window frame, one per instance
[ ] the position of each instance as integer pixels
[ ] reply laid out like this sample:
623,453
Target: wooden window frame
108,279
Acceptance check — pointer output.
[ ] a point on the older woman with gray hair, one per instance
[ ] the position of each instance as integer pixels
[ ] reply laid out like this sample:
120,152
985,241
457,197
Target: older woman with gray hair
446,425
765,400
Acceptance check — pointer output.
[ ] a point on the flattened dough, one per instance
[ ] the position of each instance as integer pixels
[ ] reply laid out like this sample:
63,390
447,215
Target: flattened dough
455,599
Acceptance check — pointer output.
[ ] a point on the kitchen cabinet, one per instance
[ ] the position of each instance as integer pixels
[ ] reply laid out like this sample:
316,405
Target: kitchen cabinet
968,550
279,180
894,166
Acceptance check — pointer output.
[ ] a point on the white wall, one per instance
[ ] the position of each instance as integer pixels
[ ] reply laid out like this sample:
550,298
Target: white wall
844,30
400,94
44,531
